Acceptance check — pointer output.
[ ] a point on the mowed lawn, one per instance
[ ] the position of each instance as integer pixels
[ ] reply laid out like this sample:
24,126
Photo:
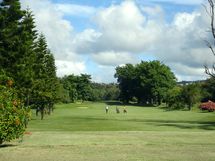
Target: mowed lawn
82,131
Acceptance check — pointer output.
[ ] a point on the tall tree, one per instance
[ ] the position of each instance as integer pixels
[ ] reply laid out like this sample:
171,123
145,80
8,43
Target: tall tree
70,85
156,78
44,85
25,71
10,55
126,77
83,87
147,81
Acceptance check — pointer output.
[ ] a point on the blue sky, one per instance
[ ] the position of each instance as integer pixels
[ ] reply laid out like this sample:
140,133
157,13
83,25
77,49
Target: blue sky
94,37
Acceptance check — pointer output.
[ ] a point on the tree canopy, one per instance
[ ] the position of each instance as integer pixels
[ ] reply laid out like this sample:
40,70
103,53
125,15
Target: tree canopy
148,82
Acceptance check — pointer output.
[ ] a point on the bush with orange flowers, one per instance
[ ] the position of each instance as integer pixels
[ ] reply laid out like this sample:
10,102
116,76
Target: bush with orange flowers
12,113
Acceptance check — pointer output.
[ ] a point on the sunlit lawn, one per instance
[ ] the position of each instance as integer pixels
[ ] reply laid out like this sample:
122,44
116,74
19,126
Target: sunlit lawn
83,131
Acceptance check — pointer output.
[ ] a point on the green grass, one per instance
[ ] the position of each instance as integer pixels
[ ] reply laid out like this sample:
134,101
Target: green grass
84,132
92,117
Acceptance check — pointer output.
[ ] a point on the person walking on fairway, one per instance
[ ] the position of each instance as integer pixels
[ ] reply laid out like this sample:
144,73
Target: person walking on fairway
124,110
106,109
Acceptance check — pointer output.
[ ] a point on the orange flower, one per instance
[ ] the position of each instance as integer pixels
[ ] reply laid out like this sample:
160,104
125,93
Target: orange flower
15,103
10,83
17,121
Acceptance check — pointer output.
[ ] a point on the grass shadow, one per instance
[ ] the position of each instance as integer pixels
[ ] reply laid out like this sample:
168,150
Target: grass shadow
118,103
7,145
202,125
166,109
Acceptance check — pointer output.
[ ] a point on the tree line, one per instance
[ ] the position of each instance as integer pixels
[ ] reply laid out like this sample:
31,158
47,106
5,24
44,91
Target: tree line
27,69
154,83
81,88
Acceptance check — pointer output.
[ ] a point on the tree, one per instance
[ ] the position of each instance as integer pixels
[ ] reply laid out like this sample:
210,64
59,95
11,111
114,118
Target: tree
10,55
147,81
25,58
104,92
173,98
17,36
126,77
25,72
69,84
155,79
83,87
208,90
45,80
78,86
210,11
191,94
62,93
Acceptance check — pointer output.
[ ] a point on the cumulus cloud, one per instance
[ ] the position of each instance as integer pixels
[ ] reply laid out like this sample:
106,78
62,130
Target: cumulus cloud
104,74
68,67
121,33
59,34
122,27
178,41
111,58
76,10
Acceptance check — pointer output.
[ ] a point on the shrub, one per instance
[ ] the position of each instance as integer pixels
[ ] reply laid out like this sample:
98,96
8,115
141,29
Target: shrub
13,115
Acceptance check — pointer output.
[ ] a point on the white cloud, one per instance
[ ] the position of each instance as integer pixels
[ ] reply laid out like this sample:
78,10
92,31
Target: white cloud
59,34
84,41
155,11
112,58
76,10
122,31
183,21
69,67
104,74
133,32
122,27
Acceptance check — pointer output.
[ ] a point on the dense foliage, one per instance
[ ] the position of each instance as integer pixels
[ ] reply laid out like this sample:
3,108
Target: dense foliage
25,59
104,92
148,82
13,114
190,95
81,88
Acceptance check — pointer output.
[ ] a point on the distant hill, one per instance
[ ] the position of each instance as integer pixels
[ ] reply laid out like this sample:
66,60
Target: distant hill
182,83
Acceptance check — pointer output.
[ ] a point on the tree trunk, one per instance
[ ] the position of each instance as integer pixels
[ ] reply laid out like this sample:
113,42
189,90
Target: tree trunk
1,141
37,111
42,113
190,106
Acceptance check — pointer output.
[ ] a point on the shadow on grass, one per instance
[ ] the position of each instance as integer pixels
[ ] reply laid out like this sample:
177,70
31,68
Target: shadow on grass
202,125
118,103
7,145
166,109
